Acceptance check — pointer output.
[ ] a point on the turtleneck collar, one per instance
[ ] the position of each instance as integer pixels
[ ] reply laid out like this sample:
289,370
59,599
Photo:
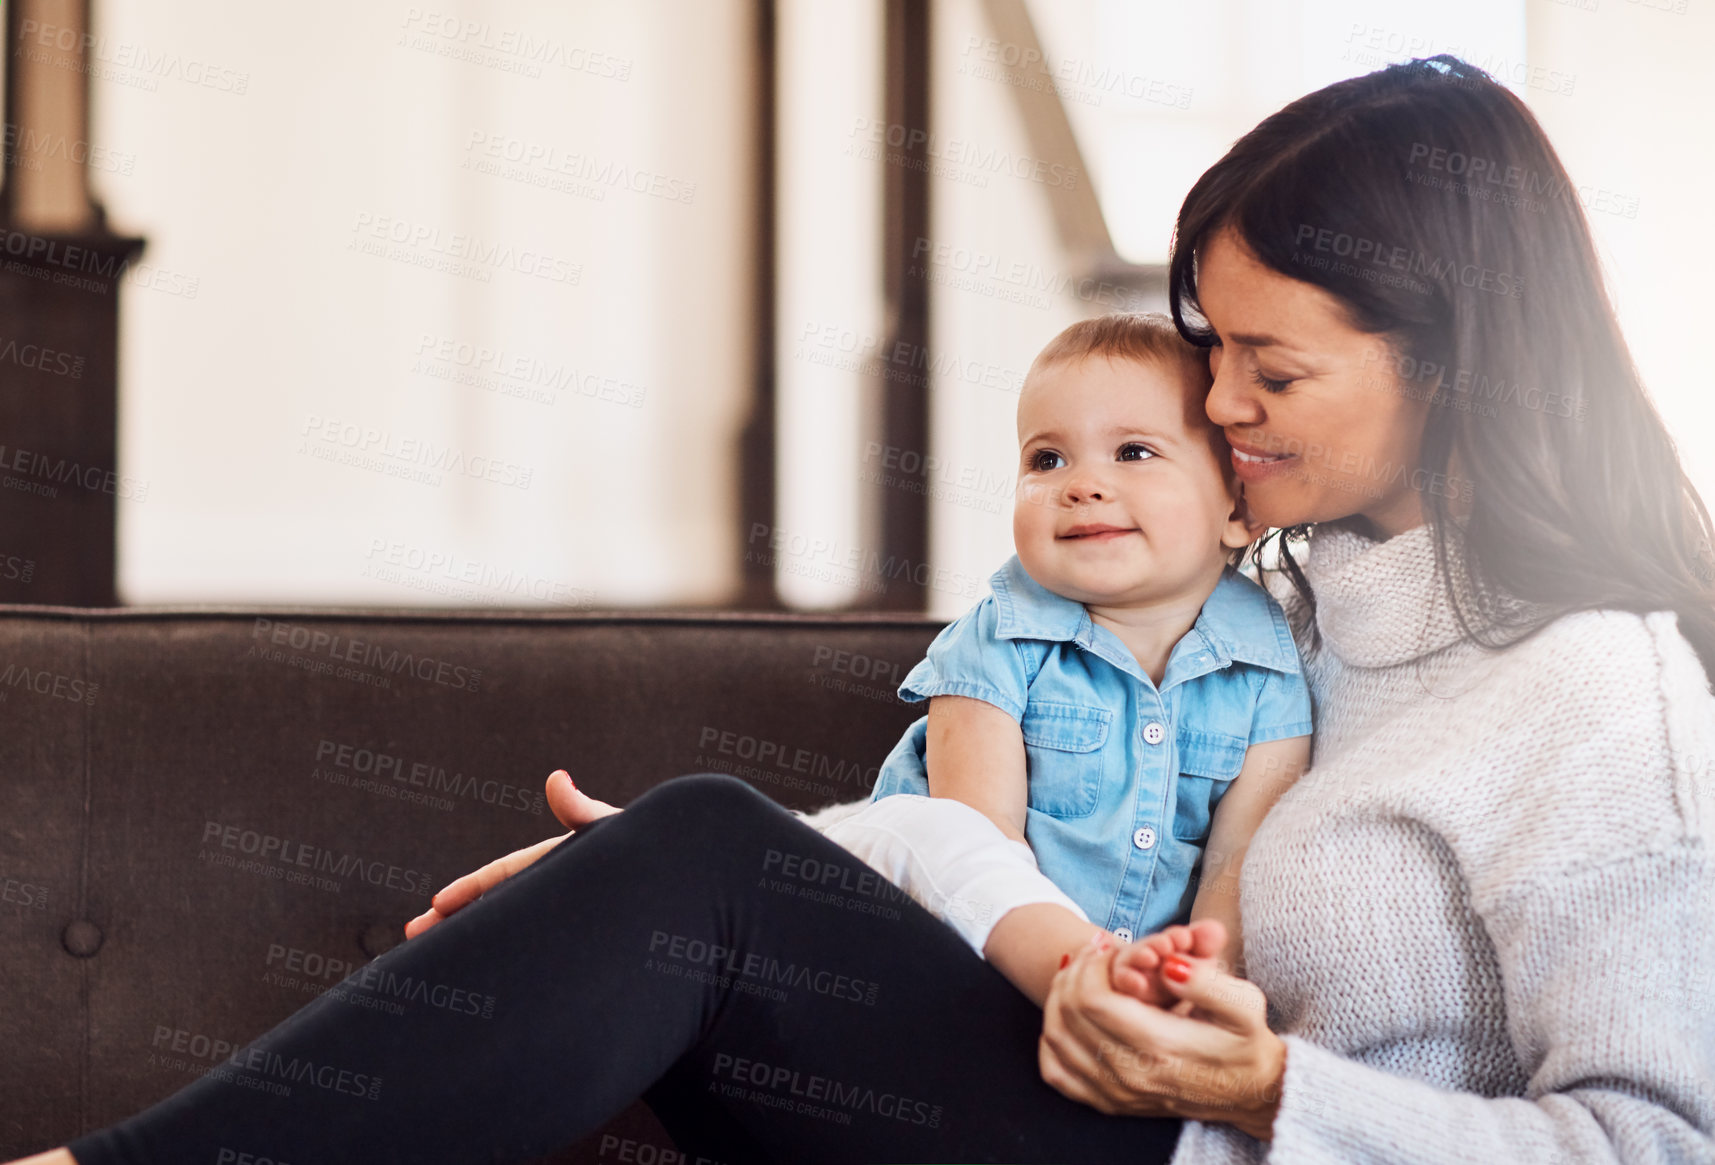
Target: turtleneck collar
1383,603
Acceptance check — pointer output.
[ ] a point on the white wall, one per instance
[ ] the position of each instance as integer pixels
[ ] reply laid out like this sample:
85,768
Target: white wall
1636,134
352,118
831,314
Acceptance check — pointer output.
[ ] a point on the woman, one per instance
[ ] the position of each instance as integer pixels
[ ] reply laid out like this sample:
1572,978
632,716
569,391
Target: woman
1482,922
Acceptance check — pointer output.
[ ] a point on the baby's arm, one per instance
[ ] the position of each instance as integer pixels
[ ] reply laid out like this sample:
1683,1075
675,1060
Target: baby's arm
1270,768
1029,942
975,754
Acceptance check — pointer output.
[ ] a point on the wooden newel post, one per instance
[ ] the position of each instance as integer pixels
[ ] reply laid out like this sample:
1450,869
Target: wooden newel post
61,272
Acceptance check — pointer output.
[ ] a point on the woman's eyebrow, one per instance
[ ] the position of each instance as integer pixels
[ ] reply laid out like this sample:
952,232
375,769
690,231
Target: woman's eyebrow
1255,340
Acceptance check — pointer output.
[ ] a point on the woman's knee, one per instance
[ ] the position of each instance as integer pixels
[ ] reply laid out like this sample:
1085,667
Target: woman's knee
712,793
698,817
705,820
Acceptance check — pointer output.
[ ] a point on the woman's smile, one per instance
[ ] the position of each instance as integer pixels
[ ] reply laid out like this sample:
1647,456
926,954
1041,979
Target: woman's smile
1253,465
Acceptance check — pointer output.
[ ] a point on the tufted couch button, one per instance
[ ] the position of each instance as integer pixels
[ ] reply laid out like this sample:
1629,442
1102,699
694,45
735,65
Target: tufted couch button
380,937
81,938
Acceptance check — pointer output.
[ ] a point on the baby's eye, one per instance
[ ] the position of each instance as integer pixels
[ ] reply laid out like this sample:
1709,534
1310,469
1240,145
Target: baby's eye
1133,451
1044,460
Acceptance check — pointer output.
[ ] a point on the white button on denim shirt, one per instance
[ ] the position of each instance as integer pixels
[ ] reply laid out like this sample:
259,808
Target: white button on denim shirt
1123,776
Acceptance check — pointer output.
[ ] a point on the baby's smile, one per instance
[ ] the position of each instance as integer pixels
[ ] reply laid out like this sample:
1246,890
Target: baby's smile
1096,532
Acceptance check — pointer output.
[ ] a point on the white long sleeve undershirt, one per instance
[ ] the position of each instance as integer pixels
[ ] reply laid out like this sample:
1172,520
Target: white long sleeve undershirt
950,858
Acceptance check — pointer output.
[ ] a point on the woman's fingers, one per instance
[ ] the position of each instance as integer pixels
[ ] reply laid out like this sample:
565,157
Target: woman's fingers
1066,1062
461,892
1135,969
1237,1005
1119,1055
1132,981
1087,1017
1073,1080
1208,937
1133,1035
1137,972
572,805
422,922
1108,1066
574,809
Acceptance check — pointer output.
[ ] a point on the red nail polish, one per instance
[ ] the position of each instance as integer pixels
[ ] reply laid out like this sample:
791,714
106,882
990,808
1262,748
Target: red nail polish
1176,969
1064,960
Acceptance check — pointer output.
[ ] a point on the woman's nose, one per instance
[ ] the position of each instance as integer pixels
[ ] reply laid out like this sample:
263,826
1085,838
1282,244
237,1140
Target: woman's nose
1230,401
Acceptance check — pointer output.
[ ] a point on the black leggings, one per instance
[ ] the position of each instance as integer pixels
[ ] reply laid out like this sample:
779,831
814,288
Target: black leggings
769,997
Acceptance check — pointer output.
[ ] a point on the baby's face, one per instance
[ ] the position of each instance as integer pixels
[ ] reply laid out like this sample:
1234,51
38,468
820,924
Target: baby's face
1123,497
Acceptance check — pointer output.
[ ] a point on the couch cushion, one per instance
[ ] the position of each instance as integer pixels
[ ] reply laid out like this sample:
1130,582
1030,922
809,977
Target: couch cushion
161,766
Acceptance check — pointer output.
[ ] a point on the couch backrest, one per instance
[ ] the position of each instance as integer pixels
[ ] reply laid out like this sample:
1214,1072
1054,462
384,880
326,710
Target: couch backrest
155,765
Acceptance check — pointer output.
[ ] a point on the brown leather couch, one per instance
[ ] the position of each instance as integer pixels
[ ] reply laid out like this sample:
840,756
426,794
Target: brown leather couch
158,765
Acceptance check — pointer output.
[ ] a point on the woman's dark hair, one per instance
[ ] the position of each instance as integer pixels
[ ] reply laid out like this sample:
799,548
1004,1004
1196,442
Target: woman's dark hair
1426,198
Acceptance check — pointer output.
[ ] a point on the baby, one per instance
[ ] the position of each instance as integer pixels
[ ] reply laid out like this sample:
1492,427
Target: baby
1125,702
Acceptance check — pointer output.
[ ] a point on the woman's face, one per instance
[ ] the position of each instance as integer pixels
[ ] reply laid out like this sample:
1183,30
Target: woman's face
1320,425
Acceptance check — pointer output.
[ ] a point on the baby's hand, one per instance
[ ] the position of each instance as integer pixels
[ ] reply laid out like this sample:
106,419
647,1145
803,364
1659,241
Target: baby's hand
1137,966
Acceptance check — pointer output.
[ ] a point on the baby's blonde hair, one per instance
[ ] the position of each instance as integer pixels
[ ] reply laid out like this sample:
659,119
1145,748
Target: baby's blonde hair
1147,336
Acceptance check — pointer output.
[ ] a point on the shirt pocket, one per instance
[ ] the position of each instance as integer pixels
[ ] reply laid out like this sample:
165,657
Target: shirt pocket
1208,762
1062,748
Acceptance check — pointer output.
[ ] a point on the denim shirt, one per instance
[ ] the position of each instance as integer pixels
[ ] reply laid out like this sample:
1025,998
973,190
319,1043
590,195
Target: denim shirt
1123,776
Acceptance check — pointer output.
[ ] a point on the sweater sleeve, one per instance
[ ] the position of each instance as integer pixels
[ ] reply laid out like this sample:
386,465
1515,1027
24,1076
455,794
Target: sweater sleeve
1606,970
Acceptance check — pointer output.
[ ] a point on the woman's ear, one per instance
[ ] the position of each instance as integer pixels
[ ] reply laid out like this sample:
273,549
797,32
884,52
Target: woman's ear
1242,528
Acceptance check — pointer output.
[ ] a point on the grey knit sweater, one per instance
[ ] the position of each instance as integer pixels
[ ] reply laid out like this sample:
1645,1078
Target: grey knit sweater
1485,917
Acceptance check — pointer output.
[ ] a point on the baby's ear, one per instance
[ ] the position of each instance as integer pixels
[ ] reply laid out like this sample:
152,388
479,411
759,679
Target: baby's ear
1242,526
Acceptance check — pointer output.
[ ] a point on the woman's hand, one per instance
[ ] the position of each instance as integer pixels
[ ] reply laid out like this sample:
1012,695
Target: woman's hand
1124,1057
574,808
